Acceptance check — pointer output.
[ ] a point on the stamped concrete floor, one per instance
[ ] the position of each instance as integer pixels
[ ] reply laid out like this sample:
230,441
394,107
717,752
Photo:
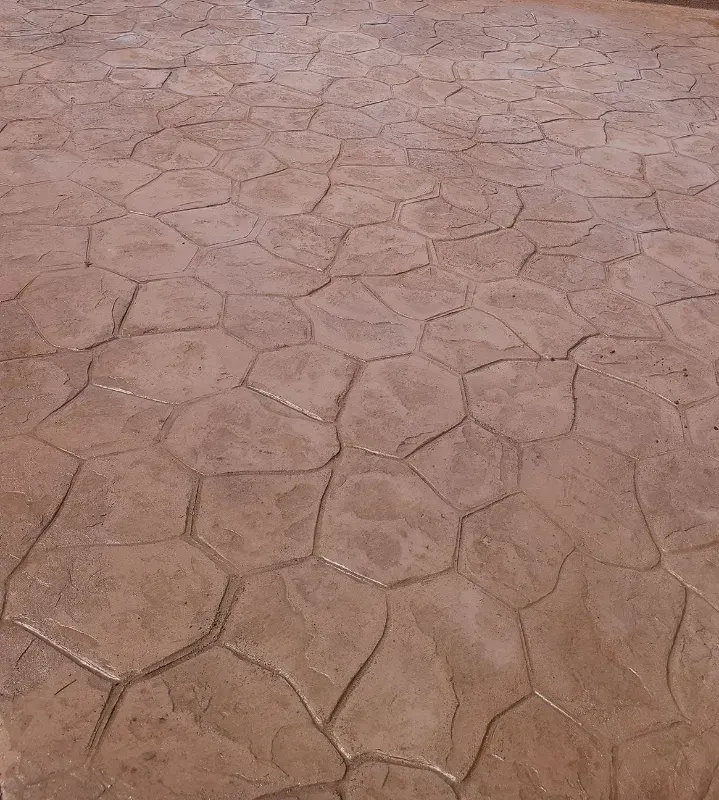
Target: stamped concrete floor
359,417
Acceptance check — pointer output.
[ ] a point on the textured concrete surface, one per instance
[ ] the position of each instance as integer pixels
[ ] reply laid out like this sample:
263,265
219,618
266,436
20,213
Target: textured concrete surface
359,417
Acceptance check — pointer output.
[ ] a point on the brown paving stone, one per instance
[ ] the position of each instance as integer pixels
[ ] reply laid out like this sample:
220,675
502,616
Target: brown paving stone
487,257
350,205
130,498
265,322
396,405
421,293
348,317
77,308
319,654
381,781
651,282
599,646
305,238
678,761
241,431
383,522
694,258
206,714
50,706
525,400
249,269
99,422
534,748
35,387
179,189
703,421
139,247
614,315
18,336
172,367
425,664
112,605
381,249
291,191
513,550
282,509
172,304
588,490
56,203
695,322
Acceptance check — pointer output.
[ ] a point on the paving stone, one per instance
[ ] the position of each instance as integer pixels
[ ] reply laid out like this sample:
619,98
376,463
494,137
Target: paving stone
384,781
172,304
265,322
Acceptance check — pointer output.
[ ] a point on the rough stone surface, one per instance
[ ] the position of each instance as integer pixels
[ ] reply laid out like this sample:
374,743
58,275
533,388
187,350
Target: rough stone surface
311,309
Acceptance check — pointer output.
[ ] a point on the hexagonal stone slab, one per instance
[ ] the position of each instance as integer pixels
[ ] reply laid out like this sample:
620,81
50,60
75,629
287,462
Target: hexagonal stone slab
33,388
34,479
118,608
599,646
248,269
437,679
588,490
130,498
255,521
311,603
311,378
204,714
50,706
513,550
77,308
348,317
139,247
398,404
524,400
241,431
534,747
172,367
100,422
292,191
383,522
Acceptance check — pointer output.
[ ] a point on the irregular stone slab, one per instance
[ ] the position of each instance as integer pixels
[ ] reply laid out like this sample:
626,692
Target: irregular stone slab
50,706
436,680
694,664
179,189
172,367
421,293
695,322
170,149
677,494
542,317
349,205
18,336
614,315
565,273
266,322
99,422
588,490
678,173
248,269
535,748
496,203
348,317
383,522
252,719
703,420
625,417
306,239
118,609
380,249
469,466
57,203
650,282
398,404
661,368
255,521
435,218
213,225
281,194
695,259
382,781
170,305
599,646
35,387
513,550
139,247
470,338
241,431
589,181
308,377
34,479
130,498
525,400
395,183
488,257
77,308
678,761
319,653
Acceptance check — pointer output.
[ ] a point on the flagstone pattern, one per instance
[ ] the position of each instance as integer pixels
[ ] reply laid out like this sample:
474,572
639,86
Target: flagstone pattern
359,415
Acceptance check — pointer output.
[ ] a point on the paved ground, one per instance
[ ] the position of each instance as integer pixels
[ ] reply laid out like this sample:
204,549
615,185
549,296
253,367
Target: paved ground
358,400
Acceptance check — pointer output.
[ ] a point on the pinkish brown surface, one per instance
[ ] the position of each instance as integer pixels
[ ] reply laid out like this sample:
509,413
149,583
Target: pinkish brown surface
359,417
